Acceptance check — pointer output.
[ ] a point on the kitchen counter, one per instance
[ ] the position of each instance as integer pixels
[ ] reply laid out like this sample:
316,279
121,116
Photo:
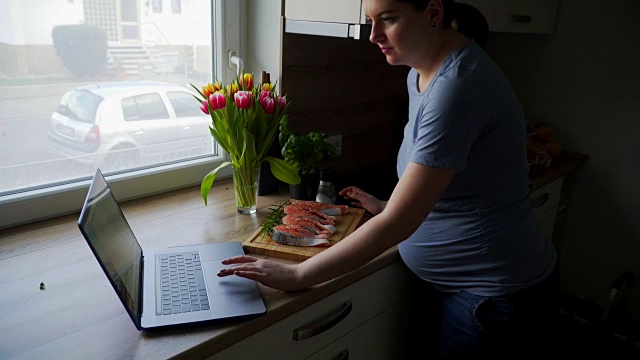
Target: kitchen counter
566,164
79,316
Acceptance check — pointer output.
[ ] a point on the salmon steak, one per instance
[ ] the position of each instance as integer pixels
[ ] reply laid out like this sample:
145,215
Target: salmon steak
329,209
311,223
296,235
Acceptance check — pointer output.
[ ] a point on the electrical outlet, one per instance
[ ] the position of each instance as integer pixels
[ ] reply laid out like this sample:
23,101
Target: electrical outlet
336,141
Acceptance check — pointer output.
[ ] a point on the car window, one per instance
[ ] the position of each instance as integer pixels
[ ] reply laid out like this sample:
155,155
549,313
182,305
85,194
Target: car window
79,105
183,104
144,107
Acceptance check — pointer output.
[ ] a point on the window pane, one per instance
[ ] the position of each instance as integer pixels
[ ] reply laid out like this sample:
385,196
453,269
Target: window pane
176,6
182,104
72,75
156,5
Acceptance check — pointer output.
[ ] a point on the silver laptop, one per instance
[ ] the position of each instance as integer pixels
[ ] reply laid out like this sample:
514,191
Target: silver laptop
163,287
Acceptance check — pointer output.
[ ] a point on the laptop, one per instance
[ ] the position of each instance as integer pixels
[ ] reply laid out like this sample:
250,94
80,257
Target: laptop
163,287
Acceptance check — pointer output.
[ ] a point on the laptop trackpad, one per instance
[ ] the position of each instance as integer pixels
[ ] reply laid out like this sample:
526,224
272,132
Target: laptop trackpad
219,285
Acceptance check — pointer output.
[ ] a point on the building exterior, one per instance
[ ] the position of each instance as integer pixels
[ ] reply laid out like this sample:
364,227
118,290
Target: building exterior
143,36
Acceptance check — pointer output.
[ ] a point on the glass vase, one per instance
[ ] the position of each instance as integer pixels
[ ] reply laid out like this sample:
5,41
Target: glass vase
245,186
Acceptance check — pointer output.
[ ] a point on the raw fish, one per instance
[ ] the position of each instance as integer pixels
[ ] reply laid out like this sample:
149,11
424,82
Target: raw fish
328,209
310,223
298,236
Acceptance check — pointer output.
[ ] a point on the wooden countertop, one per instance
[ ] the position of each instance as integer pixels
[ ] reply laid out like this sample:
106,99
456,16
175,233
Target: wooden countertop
567,163
79,315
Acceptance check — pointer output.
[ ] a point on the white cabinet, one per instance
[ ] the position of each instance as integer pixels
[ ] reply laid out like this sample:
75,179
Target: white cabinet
518,16
545,205
336,11
338,18
349,317
370,341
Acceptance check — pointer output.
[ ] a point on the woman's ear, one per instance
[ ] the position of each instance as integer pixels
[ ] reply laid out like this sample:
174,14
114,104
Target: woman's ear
435,11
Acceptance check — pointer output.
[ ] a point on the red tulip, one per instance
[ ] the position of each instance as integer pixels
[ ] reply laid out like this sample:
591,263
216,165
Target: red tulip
282,101
205,107
243,99
265,94
217,101
268,105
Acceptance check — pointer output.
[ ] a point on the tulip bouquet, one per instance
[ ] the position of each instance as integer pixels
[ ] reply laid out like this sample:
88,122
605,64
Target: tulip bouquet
245,121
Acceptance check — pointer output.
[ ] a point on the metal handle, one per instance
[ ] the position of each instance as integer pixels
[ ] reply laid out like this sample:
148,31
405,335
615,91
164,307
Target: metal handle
517,18
311,330
537,202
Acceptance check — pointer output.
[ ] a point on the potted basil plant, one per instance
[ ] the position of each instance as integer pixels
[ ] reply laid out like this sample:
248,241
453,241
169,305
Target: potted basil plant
304,153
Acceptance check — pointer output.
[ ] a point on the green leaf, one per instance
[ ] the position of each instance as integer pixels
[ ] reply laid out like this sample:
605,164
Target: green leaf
283,171
207,182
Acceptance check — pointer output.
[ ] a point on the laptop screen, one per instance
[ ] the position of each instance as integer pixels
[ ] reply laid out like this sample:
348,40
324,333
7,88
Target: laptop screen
112,241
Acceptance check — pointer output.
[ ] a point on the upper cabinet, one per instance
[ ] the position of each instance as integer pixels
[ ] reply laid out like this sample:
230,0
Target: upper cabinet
518,16
340,18
336,11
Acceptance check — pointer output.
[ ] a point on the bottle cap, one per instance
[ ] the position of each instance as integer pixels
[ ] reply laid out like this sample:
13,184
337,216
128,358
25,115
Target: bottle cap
327,173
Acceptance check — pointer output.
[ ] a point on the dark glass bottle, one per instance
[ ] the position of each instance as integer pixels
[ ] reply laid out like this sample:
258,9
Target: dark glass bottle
326,189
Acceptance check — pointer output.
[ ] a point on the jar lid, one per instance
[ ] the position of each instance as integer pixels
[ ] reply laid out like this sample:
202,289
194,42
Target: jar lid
327,173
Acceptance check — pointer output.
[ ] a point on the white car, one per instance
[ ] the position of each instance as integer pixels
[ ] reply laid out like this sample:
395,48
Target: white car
123,125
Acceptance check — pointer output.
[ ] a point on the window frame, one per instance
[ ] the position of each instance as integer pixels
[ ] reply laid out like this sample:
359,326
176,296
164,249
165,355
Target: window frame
40,204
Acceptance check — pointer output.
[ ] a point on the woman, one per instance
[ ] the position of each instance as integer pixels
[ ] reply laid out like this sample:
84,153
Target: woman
460,213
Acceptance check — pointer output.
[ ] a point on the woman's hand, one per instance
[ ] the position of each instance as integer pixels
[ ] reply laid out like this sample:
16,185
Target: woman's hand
269,273
363,199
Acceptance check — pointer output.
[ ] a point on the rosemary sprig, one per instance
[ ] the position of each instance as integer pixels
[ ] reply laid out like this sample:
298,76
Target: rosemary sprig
273,219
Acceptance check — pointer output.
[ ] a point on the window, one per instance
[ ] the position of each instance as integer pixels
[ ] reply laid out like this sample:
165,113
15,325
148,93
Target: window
182,104
176,6
156,6
59,105
144,107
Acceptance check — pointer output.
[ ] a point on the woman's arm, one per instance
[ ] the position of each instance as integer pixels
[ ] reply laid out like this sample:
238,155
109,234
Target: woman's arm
414,196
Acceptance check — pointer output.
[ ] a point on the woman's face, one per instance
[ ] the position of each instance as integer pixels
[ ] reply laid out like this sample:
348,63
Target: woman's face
398,29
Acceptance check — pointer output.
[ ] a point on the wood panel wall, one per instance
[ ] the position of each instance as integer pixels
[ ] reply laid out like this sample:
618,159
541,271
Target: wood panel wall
345,87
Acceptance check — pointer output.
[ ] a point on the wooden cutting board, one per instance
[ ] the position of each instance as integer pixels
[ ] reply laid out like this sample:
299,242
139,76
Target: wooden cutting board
345,224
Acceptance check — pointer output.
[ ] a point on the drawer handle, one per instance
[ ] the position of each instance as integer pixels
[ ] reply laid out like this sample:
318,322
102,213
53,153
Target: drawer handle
541,200
316,328
344,355
515,18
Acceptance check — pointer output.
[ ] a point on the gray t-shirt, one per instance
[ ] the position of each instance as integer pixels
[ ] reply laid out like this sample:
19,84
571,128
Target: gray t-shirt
482,236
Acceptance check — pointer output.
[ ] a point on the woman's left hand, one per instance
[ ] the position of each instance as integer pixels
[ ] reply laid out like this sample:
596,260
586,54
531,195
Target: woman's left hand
270,273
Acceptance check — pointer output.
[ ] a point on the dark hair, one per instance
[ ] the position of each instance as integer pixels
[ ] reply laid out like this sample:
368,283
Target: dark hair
448,8
471,23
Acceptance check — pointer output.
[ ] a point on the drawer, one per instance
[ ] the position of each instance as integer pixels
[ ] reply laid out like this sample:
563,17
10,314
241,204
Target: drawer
313,328
389,331
547,197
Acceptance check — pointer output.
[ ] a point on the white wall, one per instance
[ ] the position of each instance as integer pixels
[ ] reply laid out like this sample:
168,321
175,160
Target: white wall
585,81
263,38
183,28
30,21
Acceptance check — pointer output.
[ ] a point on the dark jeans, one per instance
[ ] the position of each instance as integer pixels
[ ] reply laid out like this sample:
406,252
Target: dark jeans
463,326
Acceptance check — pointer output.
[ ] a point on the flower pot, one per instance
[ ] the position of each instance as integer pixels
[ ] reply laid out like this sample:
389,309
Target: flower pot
245,186
307,189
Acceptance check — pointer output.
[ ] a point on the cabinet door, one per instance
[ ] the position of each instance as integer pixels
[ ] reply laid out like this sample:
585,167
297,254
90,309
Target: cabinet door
545,205
518,16
322,323
339,11
379,338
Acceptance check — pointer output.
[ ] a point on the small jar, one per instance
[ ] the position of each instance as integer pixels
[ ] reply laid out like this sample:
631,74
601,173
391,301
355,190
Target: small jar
326,189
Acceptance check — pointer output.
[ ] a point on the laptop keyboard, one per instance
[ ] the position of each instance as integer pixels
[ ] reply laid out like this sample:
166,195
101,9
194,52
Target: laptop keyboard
182,283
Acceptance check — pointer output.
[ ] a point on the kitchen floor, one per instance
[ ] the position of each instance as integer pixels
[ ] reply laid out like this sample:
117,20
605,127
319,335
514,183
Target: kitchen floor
578,334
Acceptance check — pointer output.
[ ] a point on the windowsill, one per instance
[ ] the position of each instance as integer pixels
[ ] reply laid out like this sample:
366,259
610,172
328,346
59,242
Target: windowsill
53,251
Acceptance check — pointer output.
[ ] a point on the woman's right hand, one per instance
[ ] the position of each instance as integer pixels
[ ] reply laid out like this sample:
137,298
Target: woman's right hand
363,199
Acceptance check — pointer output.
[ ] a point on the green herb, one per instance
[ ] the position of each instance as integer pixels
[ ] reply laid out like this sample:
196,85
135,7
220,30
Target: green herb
273,219
304,152
41,286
